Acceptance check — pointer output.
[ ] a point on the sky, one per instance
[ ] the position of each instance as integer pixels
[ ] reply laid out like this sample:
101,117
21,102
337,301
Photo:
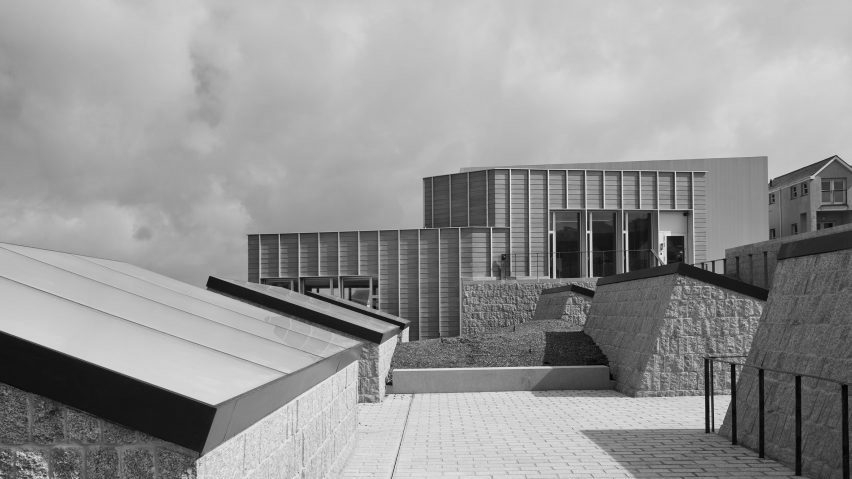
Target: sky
161,133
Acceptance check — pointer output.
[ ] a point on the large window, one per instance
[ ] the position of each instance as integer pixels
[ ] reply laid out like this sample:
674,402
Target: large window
569,257
834,191
603,243
639,240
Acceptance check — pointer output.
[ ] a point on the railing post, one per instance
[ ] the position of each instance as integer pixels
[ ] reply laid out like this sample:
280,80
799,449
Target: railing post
761,412
706,395
713,265
798,425
712,401
733,404
844,410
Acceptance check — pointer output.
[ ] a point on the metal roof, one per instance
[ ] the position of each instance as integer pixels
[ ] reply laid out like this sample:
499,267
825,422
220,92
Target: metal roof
119,328
284,301
360,308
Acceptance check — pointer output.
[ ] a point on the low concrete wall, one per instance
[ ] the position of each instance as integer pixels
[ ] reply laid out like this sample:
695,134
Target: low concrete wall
489,304
39,437
755,263
656,330
373,369
806,330
539,378
564,304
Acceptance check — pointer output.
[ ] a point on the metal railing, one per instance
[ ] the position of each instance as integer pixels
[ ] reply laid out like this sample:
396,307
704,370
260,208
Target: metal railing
572,264
710,265
709,416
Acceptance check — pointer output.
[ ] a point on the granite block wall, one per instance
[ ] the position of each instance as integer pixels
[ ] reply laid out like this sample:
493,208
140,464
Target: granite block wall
489,304
807,329
41,439
311,436
656,331
373,369
569,306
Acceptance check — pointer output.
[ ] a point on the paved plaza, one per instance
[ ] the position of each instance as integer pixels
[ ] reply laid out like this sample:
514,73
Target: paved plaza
555,434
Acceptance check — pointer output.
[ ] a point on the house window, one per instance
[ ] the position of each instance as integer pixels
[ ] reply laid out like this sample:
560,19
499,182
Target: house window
794,228
804,188
771,233
834,191
771,198
825,224
794,192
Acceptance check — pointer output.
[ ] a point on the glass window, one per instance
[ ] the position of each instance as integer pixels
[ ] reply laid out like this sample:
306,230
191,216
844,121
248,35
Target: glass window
569,256
834,191
639,240
771,233
804,187
794,192
771,198
794,228
603,243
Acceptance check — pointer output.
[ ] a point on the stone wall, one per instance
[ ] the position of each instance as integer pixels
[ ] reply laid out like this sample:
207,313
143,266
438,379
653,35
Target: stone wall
755,263
569,306
655,332
311,436
373,368
41,438
806,329
489,304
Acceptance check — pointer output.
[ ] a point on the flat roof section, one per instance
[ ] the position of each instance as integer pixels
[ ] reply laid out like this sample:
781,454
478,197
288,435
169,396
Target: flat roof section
693,272
360,308
570,287
285,301
147,357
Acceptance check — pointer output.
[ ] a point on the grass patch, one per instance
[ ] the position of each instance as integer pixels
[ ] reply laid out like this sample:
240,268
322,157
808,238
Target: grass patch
534,343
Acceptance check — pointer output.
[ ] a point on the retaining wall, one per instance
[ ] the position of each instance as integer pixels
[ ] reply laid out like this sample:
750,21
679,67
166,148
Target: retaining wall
373,369
806,329
489,304
311,436
566,303
655,326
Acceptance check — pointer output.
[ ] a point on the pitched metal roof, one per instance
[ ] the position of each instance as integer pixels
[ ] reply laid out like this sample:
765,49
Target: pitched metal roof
152,353
284,301
360,308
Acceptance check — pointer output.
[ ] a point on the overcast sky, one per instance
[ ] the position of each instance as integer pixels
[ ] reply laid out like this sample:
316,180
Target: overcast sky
161,132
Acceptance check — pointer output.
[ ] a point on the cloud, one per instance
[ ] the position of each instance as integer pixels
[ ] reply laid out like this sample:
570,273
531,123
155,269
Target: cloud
162,133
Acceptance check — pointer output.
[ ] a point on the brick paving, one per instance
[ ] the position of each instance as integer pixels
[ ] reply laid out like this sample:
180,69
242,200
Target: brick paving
557,434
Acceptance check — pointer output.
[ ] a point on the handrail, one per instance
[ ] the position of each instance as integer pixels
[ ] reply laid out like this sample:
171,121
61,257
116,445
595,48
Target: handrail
709,416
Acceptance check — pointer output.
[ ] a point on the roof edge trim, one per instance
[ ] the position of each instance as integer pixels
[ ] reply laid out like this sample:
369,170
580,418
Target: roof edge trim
572,288
817,245
693,272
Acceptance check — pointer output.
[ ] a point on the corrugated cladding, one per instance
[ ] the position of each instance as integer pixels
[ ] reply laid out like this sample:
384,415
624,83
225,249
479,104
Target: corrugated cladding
427,202
458,199
538,231
449,285
499,195
556,189
576,190
289,254
683,191
328,254
441,201
478,198
269,256
649,190
630,190
409,276
700,234
612,190
594,190
666,192
429,284
520,222
254,258
369,253
308,254
389,271
348,260
475,253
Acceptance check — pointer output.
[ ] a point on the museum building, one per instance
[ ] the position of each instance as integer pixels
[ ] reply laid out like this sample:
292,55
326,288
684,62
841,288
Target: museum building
529,221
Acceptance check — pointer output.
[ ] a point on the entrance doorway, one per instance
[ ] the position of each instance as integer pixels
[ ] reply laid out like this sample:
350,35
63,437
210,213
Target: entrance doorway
675,249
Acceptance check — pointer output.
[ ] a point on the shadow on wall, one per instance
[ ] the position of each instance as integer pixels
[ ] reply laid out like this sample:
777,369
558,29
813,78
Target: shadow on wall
571,348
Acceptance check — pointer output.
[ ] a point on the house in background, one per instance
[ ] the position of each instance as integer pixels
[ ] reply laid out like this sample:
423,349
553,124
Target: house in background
526,221
811,198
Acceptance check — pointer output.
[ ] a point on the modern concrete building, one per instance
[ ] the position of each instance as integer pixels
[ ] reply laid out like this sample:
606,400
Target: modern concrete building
811,198
549,221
